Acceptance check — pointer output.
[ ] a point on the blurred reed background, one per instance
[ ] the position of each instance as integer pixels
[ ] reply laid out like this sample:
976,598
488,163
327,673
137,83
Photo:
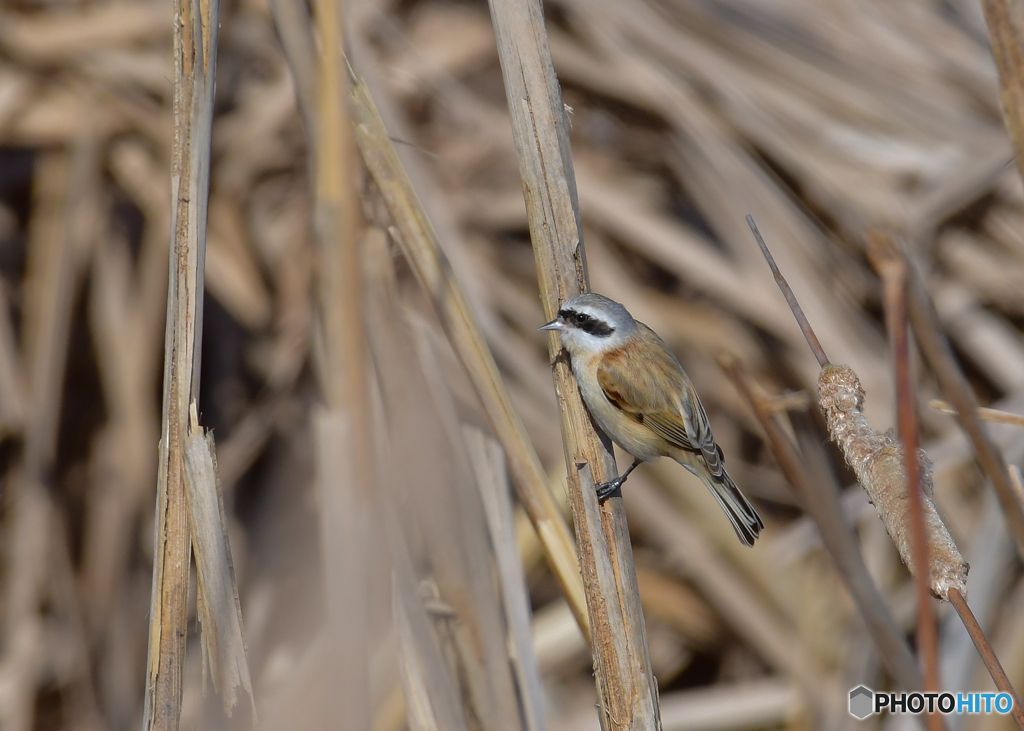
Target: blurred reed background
821,119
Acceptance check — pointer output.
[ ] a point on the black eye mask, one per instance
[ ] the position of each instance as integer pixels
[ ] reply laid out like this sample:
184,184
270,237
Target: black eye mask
586,323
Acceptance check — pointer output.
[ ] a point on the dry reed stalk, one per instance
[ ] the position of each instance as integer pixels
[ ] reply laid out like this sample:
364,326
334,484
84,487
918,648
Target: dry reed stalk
1005,20
487,624
984,413
432,491
344,433
892,269
488,461
431,692
195,61
821,502
937,352
794,305
627,689
12,400
419,243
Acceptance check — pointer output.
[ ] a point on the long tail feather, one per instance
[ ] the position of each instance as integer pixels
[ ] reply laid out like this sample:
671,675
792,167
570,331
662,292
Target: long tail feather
745,520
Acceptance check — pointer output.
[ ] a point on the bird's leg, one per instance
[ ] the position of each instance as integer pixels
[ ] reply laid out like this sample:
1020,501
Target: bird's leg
605,490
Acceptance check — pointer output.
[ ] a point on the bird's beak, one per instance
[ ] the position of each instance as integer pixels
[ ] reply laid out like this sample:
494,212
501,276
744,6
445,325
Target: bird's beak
555,324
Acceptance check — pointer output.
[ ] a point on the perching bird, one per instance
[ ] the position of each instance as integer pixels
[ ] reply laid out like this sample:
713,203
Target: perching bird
641,397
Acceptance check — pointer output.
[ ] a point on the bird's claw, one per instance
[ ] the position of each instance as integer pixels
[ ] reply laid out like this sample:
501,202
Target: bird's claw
606,489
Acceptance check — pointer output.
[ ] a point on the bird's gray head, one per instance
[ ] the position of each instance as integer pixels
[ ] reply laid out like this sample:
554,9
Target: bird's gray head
591,323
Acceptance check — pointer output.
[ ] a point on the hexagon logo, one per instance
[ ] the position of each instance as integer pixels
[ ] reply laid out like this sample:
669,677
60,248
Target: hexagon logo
861,702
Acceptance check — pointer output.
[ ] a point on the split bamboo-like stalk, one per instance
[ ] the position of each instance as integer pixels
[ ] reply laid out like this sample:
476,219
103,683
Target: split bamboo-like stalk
195,62
627,689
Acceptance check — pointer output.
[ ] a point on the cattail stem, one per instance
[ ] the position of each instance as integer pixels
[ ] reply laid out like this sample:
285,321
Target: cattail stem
787,292
992,664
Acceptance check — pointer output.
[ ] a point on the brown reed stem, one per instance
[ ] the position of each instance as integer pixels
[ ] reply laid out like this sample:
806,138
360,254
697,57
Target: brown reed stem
992,664
787,292
627,689
894,280
195,63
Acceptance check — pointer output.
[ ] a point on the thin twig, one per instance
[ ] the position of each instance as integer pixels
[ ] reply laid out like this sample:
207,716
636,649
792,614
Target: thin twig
984,413
787,292
894,280
992,664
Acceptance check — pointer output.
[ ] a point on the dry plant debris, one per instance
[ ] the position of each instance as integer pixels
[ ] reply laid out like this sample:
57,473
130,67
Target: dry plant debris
820,119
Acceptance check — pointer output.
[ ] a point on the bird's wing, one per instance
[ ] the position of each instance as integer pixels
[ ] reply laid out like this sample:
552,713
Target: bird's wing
655,391
647,387
699,429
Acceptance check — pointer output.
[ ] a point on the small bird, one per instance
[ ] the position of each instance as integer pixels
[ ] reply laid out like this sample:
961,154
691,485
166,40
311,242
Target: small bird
641,397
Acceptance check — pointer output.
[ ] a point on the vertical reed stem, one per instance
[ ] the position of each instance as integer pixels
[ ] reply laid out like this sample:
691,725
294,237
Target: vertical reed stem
196,23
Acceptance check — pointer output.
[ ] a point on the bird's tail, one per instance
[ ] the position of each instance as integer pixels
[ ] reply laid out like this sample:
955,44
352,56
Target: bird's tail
745,520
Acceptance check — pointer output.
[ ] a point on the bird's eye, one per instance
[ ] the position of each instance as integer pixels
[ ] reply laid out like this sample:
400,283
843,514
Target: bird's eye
582,319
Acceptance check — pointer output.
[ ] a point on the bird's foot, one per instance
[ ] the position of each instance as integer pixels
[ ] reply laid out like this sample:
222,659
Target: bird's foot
606,489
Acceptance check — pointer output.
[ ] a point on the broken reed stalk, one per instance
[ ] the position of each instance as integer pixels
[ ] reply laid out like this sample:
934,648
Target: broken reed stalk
935,348
343,431
1005,20
988,656
627,689
822,504
893,272
416,237
196,24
